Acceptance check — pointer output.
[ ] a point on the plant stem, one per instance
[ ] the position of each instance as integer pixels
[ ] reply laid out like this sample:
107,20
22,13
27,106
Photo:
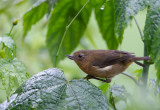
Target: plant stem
112,101
11,30
146,69
67,27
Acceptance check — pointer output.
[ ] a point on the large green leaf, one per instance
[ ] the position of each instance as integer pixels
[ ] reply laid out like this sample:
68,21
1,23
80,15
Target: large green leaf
49,90
152,33
12,74
124,11
106,20
33,15
63,13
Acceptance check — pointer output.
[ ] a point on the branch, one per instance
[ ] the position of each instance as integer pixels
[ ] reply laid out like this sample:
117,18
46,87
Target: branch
132,78
140,31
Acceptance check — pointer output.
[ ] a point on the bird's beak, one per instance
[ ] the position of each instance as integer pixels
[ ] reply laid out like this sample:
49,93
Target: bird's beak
70,57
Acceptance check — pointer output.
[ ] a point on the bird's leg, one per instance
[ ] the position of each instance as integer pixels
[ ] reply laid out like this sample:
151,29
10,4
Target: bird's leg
92,77
89,77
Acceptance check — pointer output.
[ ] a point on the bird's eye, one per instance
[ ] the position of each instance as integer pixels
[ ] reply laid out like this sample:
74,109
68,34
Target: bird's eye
80,55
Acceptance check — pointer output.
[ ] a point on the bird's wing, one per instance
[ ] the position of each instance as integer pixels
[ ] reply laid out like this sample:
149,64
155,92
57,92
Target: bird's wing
115,57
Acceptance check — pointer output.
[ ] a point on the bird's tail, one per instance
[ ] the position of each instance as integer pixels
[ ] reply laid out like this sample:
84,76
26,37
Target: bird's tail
135,59
140,58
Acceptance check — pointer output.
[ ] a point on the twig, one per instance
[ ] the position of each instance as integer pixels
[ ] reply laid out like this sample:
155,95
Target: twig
140,31
67,27
131,78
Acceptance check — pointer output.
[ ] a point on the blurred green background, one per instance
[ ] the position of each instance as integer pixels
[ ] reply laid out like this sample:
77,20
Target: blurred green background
34,53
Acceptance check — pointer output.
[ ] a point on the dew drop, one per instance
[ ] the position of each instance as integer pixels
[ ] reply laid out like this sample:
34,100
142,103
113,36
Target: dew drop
102,7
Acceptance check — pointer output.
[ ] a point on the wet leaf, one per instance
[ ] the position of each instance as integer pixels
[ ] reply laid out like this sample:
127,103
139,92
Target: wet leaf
119,91
33,15
50,90
106,20
61,16
152,34
12,74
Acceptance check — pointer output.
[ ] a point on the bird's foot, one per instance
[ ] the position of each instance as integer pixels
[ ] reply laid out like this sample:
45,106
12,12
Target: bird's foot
108,80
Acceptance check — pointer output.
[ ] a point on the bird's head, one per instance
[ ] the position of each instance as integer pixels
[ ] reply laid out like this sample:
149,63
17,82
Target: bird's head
80,57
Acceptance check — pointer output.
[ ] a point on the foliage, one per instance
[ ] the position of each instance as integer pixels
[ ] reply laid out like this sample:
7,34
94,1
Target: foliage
55,31
12,71
67,21
152,33
106,20
60,20
50,90
31,17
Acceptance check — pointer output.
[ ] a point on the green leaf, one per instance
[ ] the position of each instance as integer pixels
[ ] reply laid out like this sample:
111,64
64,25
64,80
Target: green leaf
61,16
138,73
106,21
152,34
33,15
12,74
104,87
124,11
50,90
7,48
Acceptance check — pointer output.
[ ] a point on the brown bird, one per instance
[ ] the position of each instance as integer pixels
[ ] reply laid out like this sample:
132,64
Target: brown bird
104,63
